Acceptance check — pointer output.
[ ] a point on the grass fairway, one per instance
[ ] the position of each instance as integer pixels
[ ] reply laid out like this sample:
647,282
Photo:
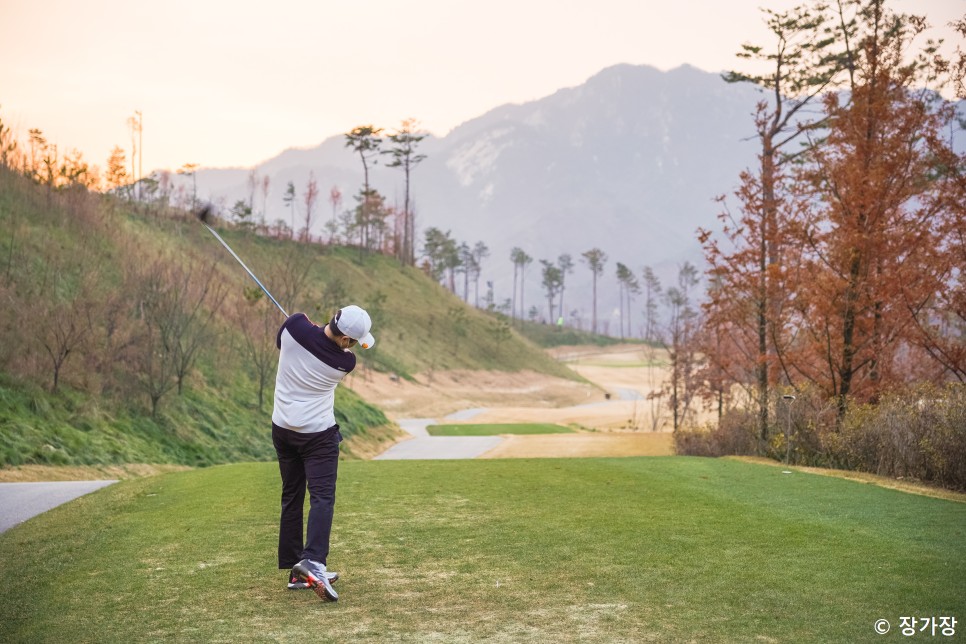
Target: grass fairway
588,550
497,429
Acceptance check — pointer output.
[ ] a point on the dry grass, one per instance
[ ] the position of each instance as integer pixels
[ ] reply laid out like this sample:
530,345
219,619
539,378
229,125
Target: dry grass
614,375
438,394
912,487
613,444
28,473
372,443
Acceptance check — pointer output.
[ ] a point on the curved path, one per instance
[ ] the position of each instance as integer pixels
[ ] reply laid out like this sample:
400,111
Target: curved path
622,393
424,446
21,501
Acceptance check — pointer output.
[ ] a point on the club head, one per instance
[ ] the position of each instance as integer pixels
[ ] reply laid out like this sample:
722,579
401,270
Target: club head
204,213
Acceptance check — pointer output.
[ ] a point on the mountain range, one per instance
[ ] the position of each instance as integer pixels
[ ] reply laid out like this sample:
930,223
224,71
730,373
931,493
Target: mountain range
630,162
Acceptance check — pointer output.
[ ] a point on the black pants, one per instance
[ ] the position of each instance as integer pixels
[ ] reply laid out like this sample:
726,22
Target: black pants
306,459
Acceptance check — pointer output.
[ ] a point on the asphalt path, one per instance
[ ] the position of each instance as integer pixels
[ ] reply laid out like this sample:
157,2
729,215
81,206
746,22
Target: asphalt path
21,501
424,446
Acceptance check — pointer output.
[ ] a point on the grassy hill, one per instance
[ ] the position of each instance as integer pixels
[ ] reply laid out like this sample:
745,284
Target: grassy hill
130,335
548,335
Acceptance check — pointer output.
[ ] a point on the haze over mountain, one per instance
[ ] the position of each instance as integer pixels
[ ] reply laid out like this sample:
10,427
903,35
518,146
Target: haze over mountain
629,162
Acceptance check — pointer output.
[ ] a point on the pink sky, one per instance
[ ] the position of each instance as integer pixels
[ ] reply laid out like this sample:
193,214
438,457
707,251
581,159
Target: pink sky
232,83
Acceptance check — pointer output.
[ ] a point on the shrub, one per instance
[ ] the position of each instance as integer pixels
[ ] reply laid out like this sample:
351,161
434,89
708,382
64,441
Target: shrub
735,434
811,417
918,433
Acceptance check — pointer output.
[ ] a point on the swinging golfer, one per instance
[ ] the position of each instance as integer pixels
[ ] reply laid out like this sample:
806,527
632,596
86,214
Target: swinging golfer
312,361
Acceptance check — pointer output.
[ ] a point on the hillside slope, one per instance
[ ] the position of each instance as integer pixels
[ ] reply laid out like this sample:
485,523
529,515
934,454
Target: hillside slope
130,335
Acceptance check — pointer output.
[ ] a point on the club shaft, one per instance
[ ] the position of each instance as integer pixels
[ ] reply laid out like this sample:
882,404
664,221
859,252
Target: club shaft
247,270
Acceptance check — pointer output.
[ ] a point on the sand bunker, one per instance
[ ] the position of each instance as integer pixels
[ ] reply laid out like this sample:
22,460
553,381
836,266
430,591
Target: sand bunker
611,412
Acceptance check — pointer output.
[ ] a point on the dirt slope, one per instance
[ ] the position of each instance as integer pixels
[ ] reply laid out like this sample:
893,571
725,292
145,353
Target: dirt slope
610,411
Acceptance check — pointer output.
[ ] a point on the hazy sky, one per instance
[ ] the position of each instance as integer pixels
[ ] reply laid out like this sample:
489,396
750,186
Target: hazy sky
235,82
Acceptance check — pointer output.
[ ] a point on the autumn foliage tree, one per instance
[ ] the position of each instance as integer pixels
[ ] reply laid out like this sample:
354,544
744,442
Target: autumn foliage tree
751,272
840,270
884,191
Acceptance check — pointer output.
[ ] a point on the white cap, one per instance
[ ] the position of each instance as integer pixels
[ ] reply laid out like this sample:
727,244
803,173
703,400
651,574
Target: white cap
354,322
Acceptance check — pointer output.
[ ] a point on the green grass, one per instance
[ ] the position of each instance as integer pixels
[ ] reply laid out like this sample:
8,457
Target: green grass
550,335
497,429
205,426
588,550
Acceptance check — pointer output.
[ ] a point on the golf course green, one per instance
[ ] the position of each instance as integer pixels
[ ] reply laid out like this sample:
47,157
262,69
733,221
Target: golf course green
659,549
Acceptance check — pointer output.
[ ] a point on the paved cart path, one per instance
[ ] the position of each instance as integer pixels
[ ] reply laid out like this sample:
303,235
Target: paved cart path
424,446
21,501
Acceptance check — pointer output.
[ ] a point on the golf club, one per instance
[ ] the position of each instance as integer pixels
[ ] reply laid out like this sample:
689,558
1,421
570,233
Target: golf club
203,214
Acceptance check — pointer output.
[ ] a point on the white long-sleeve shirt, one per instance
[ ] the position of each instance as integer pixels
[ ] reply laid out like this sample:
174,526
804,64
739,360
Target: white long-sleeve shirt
310,366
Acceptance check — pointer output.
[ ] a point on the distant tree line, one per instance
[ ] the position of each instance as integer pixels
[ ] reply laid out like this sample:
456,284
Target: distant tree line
371,224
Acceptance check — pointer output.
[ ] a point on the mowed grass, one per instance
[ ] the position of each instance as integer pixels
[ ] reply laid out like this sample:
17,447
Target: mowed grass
497,429
572,550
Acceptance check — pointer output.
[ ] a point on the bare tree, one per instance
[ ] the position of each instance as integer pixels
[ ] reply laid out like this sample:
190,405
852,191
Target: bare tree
177,312
595,259
365,140
552,285
566,265
310,197
259,321
8,146
289,199
404,156
480,252
266,184
682,324
197,301
154,369
189,170
289,276
69,326
335,198
136,123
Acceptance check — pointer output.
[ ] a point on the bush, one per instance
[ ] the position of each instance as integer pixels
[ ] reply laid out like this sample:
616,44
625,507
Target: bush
810,418
735,434
918,433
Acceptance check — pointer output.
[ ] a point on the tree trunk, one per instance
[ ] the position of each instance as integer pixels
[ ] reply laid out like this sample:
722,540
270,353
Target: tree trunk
849,315
767,253
595,304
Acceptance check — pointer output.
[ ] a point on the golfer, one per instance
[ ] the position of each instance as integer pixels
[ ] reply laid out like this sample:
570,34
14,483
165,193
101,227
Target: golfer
311,363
